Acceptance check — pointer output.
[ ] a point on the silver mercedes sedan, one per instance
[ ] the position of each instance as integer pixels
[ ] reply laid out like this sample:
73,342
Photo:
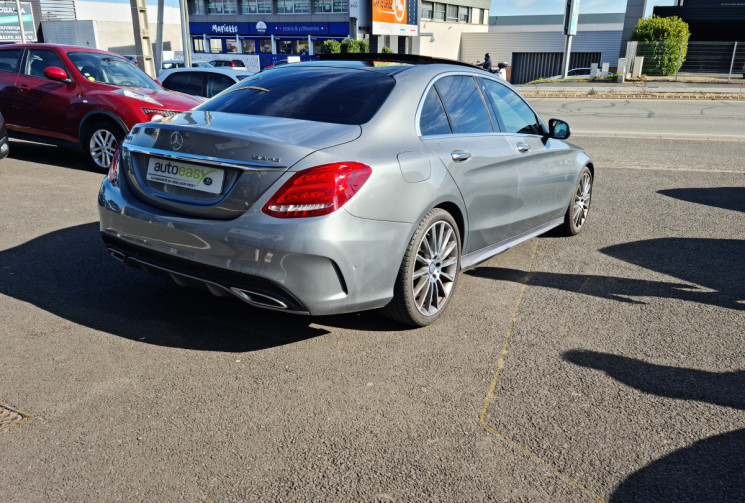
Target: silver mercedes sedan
337,186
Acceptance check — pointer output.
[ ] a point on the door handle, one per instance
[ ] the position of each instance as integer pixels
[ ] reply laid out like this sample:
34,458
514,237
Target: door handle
23,88
460,155
522,147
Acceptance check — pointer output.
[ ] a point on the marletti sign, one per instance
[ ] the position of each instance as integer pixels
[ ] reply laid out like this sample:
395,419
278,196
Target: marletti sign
395,17
10,31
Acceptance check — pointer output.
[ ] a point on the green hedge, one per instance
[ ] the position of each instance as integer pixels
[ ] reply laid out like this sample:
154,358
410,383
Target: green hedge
661,40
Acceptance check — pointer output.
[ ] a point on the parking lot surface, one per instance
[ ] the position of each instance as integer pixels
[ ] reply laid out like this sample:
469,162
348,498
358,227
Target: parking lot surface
604,367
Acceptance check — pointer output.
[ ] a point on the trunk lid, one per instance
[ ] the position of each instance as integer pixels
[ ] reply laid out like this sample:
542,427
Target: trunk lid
216,165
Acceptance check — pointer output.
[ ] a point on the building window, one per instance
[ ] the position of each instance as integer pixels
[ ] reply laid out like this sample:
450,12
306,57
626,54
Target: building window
231,45
427,8
198,44
440,11
266,46
330,6
249,46
256,7
222,7
293,6
452,13
196,7
463,14
215,45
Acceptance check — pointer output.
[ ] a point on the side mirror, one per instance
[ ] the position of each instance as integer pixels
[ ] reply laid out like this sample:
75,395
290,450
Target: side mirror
558,129
57,73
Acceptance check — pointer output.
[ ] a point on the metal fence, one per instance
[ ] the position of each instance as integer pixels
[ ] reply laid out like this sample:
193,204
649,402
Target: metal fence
716,60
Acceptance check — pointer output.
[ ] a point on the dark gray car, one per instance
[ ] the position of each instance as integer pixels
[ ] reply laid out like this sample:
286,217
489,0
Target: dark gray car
330,187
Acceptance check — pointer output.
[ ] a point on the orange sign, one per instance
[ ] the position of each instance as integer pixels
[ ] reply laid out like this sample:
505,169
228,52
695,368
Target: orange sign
389,11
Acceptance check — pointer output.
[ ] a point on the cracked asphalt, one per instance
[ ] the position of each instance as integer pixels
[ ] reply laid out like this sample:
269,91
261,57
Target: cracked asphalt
604,367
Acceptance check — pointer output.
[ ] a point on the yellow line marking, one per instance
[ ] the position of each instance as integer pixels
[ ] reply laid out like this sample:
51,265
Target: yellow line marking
500,366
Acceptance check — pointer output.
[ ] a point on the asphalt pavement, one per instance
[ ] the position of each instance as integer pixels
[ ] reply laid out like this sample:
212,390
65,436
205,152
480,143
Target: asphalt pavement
603,367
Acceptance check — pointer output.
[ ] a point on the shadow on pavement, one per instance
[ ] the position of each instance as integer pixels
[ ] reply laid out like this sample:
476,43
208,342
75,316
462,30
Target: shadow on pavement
51,155
712,269
70,274
728,198
712,469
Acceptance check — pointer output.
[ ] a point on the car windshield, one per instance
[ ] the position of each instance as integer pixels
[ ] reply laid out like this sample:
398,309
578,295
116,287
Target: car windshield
335,95
107,69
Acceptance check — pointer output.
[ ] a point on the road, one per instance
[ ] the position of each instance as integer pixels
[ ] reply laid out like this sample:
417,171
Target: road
604,367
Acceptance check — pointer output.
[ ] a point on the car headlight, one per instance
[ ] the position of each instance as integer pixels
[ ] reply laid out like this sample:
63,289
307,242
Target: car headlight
138,96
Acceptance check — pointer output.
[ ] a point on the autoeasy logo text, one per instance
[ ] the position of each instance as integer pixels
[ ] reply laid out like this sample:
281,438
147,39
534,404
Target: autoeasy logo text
197,175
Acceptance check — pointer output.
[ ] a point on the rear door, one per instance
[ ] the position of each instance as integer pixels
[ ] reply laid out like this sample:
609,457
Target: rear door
456,125
42,104
10,59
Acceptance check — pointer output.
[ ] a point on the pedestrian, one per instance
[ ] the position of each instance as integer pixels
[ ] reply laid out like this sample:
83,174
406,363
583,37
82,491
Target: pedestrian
486,65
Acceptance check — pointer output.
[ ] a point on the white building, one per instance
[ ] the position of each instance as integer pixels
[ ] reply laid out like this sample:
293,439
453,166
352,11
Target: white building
534,45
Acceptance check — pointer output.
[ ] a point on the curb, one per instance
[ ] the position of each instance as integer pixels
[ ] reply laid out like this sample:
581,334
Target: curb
641,95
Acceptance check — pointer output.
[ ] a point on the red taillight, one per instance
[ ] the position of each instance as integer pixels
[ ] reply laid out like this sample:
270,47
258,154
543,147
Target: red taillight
113,175
318,191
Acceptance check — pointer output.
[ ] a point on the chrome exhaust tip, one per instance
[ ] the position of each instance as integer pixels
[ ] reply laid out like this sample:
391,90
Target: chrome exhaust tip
116,254
259,299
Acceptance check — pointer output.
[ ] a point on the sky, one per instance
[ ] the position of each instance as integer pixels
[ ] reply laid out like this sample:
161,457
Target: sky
537,7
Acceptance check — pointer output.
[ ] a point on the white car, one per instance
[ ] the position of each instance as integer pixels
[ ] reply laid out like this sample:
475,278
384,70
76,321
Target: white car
167,64
204,82
578,73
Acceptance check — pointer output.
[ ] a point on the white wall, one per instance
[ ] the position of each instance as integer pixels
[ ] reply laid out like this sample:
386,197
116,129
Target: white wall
447,38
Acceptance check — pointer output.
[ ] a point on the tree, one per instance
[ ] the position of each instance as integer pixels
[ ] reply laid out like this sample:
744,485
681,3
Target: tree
663,41
331,47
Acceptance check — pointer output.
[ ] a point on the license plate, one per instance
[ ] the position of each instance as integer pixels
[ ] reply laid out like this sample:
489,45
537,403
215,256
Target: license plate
183,174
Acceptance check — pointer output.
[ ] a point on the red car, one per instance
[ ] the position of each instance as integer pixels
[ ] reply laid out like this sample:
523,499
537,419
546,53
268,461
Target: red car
67,95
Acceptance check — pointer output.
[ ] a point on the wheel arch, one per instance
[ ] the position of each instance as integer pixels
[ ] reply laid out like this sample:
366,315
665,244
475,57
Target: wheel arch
457,214
99,115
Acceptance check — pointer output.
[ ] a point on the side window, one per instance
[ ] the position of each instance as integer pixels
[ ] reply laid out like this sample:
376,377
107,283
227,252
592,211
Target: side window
217,83
39,59
516,115
184,82
9,60
464,105
433,119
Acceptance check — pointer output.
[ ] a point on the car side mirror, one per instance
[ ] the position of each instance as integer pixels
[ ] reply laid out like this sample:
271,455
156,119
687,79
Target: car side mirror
558,129
58,74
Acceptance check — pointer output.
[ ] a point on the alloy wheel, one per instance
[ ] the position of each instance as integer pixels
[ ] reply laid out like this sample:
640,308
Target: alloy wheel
436,268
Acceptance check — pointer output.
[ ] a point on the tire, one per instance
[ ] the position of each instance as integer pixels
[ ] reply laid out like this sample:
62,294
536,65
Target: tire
579,207
429,272
100,142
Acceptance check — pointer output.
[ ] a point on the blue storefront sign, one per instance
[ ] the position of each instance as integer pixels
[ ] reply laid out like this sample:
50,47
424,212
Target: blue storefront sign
297,29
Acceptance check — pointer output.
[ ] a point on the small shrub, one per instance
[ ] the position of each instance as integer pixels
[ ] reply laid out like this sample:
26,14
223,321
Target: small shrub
350,46
331,47
386,50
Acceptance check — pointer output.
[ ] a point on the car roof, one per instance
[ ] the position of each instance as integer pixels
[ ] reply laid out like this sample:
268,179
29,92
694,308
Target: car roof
64,47
202,69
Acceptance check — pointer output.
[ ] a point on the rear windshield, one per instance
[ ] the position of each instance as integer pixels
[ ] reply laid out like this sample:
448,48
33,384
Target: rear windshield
336,95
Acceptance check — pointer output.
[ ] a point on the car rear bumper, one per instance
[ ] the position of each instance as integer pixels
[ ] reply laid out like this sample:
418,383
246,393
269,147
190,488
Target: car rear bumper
325,265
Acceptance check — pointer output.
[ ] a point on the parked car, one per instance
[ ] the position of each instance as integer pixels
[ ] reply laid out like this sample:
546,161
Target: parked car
236,64
578,73
179,63
205,82
336,186
77,96
4,147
